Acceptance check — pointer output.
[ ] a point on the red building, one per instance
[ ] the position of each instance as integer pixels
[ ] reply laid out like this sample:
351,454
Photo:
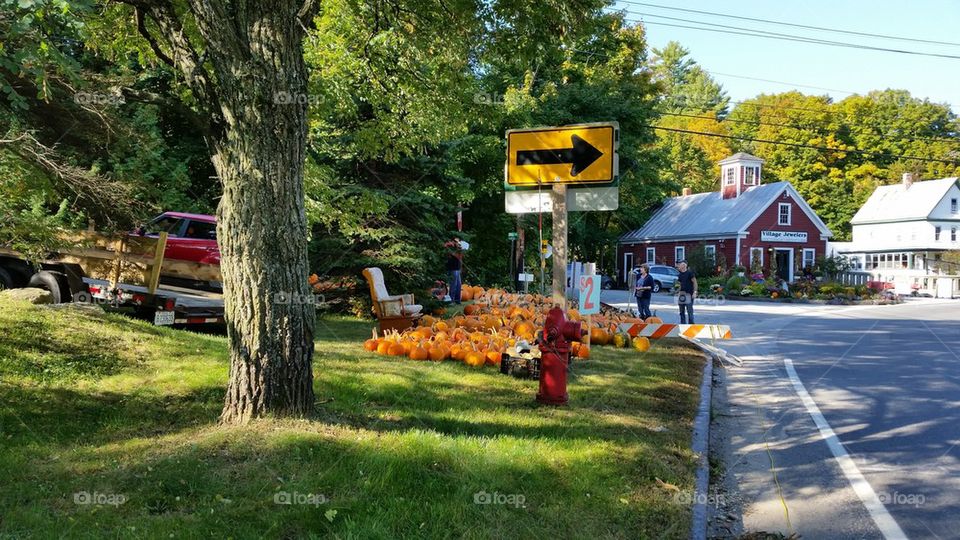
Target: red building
745,219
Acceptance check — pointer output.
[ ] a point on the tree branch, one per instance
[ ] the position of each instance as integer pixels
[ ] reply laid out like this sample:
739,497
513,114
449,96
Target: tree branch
142,28
183,55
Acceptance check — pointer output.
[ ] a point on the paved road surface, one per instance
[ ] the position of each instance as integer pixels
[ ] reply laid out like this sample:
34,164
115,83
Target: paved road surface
887,381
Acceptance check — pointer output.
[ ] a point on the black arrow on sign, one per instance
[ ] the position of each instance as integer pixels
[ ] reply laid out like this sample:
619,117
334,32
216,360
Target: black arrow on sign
581,156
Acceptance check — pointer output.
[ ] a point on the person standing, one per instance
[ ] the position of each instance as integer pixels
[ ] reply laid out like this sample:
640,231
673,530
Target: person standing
454,266
688,290
643,291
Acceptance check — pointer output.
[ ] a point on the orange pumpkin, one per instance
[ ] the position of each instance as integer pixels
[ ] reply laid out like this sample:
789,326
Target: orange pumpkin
438,353
641,343
583,352
371,344
474,358
471,309
524,327
654,320
466,294
419,353
493,357
396,349
384,347
598,336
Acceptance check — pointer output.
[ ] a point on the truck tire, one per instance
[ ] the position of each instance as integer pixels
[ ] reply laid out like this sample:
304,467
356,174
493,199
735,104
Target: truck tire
657,286
6,280
51,282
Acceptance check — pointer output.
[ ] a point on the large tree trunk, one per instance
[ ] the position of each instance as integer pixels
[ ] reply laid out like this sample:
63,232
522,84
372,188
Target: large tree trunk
262,225
249,78
256,51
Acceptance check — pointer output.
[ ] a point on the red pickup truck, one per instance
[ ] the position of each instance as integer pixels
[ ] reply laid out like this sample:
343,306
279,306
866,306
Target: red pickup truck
190,237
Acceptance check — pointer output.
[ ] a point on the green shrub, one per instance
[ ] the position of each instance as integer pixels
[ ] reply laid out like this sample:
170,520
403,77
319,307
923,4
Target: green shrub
757,289
735,283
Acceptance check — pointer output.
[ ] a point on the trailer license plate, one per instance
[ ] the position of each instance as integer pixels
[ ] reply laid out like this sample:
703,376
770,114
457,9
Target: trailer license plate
161,318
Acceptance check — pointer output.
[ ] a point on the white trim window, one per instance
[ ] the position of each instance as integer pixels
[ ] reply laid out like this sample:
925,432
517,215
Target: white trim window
809,257
711,253
936,233
750,175
953,234
784,214
754,250
679,254
651,255
730,176
953,206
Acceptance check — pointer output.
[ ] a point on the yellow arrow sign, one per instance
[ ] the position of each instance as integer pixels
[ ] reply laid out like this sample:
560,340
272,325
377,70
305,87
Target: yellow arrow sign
584,153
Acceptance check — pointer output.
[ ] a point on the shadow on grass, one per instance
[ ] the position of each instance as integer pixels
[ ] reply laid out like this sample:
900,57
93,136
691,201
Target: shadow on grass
57,417
218,482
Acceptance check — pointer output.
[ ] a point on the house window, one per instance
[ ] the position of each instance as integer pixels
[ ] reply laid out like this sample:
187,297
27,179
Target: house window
953,206
953,234
783,217
731,176
711,253
679,254
809,257
749,176
756,254
651,255
936,233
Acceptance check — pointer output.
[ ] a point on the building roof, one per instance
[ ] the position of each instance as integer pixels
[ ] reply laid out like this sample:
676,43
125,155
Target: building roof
707,215
897,203
740,156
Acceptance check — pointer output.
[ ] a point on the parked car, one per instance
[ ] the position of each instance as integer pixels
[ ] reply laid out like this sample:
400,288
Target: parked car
606,282
190,237
663,276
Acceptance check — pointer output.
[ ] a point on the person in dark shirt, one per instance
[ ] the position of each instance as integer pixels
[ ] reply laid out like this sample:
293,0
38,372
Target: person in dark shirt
454,265
688,289
643,291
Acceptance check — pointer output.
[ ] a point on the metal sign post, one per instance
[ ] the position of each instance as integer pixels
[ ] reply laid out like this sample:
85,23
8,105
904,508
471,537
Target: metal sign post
560,245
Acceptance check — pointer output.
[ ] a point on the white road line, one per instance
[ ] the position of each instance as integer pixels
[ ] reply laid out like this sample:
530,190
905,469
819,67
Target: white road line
884,521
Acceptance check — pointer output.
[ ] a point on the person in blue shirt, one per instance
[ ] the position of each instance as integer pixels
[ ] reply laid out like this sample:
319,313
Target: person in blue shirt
644,290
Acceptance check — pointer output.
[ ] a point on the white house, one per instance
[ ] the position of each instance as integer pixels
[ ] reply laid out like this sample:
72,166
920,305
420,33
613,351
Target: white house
901,233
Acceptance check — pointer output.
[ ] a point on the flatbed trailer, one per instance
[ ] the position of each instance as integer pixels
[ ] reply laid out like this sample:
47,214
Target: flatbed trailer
124,273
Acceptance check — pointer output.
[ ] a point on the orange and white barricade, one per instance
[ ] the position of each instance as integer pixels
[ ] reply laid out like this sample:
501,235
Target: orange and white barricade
689,331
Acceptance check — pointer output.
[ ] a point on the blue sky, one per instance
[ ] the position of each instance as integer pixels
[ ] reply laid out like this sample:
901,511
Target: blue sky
841,70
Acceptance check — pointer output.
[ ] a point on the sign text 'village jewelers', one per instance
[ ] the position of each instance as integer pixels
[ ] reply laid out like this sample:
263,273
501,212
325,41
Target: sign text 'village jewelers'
783,236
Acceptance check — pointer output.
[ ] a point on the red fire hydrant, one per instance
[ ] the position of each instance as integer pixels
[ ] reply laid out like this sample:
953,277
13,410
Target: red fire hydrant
555,355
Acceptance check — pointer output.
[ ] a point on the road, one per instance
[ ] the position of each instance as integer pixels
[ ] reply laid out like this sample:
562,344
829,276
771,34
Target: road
886,380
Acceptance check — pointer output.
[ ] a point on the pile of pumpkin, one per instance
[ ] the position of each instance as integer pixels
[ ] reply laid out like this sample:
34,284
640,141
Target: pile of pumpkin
496,321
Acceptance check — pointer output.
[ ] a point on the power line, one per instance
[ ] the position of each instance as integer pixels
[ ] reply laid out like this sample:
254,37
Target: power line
750,32
833,114
779,82
795,25
851,92
801,145
899,138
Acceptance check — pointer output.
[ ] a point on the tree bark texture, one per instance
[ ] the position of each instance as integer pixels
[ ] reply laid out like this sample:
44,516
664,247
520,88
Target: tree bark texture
252,81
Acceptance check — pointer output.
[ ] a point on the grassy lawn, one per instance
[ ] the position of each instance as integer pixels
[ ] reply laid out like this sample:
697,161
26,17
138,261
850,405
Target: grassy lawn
126,412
